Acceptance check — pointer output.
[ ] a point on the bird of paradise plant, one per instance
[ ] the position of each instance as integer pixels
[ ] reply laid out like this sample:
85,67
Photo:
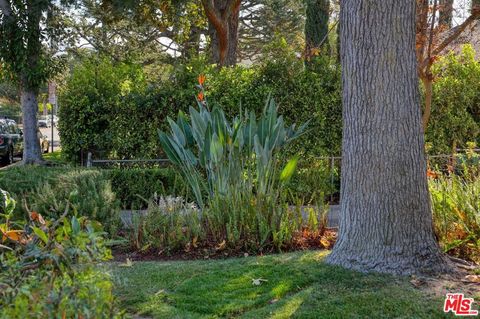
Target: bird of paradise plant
232,169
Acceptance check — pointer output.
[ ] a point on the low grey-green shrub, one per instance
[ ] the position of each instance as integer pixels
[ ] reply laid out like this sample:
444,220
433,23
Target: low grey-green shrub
96,193
85,192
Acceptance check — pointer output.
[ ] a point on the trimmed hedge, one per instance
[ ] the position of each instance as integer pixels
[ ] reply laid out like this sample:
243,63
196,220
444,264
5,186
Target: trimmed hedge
118,115
135,186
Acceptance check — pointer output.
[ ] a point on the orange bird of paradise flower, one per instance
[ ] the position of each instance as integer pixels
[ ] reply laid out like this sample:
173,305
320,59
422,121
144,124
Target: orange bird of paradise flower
200,96
201,79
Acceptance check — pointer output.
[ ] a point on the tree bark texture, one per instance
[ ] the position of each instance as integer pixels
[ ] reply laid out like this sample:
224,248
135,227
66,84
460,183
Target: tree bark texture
30,85
223,20
386,221
316,29
31,147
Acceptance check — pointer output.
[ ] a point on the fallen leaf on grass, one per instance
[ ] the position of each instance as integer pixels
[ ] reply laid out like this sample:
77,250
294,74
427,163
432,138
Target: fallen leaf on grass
417,282
13,235
160,292
128,263
473,278
258,281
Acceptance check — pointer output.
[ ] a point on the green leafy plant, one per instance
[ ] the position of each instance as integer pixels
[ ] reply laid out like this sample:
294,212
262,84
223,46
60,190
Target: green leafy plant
170,224
48,267
455,117
233,171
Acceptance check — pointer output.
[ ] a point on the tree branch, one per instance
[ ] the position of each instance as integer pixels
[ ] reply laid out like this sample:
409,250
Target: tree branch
457,31
212,13
232,6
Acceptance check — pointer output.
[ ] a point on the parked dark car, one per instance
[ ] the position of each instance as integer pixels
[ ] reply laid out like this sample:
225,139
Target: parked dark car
11,141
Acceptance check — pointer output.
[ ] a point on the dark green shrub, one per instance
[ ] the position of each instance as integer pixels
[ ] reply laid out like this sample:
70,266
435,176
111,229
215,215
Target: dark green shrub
10,109
455,118
315,182
88,101
135,187
116,124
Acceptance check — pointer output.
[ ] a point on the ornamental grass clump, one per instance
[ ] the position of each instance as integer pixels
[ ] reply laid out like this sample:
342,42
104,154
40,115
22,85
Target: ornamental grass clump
234,172
456,210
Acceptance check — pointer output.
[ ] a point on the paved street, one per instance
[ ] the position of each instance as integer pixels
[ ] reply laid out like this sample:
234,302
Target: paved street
56,138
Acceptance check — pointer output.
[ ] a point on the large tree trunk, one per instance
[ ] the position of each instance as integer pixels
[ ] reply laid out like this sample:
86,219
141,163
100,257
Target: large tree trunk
223,19
316,29
386,220
31,147
233,23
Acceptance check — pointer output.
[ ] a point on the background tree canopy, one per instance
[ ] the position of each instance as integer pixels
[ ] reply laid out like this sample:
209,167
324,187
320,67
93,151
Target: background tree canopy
285,48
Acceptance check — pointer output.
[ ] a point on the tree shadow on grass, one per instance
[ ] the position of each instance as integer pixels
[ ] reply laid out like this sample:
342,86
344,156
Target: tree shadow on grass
297,285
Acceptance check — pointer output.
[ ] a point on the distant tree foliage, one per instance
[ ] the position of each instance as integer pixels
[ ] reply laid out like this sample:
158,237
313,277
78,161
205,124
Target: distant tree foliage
141,31
25,27
455,118
316,29
264,21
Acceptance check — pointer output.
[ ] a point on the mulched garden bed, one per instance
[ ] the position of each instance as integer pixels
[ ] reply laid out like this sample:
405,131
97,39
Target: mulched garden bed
305,240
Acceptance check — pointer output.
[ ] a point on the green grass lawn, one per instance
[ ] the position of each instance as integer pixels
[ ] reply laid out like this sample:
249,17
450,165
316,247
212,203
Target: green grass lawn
55,157
299,285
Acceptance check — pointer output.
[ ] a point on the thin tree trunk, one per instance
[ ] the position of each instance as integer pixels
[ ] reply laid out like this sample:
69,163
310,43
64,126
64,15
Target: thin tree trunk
427,84
223,18
214,44
191,47
233,23
316,29
29,85
31,147
386,219
338,43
